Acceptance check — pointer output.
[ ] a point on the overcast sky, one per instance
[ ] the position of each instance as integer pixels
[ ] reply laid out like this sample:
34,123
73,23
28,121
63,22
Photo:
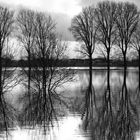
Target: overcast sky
62,11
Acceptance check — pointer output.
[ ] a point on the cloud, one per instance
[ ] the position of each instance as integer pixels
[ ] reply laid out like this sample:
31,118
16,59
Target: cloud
63,22
61,10
69,7
84,3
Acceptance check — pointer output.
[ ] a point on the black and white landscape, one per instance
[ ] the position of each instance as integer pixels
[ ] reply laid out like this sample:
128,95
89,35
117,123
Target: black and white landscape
69,70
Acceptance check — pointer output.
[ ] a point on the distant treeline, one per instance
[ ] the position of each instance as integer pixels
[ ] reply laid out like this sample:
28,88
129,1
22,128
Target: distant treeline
98,62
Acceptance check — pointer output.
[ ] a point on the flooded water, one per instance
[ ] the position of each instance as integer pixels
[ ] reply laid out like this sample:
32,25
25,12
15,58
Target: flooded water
109,111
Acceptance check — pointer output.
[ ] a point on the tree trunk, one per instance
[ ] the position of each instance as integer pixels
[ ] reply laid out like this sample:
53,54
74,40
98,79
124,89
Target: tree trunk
108,82
90,71
139,68
108,64
29,75
124,60
1,71
1,91
44,91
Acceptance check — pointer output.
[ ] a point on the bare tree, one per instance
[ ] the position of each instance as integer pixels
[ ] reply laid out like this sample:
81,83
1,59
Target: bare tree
105,14
126,22
44,43
26,35
84,30
46,75
6,26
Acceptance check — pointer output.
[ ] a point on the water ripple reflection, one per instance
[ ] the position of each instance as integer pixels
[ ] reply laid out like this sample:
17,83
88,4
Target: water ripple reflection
107,108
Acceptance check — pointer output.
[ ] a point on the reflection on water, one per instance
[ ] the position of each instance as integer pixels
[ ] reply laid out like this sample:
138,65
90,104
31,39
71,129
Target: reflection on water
107,108
69,128
116,115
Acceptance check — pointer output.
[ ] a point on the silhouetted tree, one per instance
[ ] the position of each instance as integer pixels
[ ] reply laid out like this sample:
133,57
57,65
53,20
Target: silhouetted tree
84,30
105,14
6,26
126,23
46,76
6,76
26,36
44,44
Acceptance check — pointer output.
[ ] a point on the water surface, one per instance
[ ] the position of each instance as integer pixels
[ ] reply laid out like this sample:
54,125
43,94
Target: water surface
111,111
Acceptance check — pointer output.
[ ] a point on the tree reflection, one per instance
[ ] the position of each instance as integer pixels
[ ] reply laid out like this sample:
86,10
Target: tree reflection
42,104
7,117
89,107
116,114
8,113
43,109
103,122
127,117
